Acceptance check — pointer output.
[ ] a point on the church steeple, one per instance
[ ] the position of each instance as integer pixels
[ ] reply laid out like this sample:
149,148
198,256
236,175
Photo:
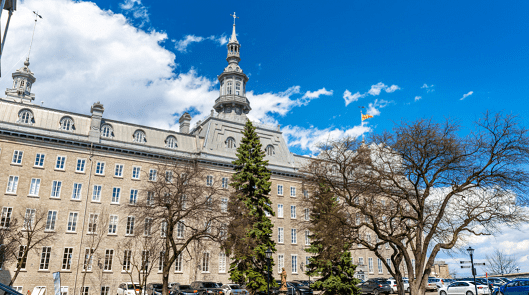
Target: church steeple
232,101
23,79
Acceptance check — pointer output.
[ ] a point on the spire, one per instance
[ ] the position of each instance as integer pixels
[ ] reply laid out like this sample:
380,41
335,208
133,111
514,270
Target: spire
233,38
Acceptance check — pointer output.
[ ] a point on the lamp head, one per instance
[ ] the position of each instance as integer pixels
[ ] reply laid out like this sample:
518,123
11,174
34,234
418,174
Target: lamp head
470,250
268,253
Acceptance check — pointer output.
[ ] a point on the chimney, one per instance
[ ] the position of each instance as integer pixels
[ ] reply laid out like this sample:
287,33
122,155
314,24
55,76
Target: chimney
185,122
97,110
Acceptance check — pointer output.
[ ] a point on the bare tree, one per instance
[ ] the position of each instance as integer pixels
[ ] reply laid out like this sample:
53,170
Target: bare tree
32,232
8,240
424,187
189,205
499,263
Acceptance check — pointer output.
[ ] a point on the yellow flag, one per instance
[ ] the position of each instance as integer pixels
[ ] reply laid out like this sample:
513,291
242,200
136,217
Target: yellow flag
365,117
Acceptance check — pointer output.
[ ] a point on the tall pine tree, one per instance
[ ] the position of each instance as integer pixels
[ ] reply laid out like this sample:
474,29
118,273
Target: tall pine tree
250,229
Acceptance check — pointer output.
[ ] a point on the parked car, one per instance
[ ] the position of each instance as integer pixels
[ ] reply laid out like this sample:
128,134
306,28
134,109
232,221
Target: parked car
516,287
154,289
393,284
432,285
178,289
233,289
205,288
479,281
305,282
299,288
439,282
129,289
464,288
375,286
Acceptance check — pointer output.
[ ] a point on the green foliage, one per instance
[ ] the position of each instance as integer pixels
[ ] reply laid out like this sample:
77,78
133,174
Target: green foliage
331,260
250,230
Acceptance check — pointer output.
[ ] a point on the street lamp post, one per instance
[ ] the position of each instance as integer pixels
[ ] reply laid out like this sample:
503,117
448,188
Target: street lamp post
268,253
471,253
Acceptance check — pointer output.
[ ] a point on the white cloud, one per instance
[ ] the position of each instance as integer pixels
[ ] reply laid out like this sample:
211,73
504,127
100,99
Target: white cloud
374,108
182,45
428,88
317,93
374,91
309,138
417,98
466,95
138,10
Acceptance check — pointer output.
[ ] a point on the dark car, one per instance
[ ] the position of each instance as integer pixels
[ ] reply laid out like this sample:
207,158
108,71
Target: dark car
275,290
375,286
205,288
515,287
154,289
299,288
178,289
305,282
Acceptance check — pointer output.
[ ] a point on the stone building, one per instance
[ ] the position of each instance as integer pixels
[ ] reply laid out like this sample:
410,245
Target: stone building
72,165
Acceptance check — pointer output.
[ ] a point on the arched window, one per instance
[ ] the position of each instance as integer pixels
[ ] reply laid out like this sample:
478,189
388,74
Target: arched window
238,88
270,150
170,142
107,131
25,117
139,136
228,87
230,143
67,124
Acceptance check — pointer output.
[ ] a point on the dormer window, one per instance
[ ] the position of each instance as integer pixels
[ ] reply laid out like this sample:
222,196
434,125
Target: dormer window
67,124
25,117
139,136
170,142
230,143
107,131
270,150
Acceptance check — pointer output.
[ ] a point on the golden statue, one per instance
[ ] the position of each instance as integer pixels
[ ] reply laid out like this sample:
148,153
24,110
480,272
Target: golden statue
283,280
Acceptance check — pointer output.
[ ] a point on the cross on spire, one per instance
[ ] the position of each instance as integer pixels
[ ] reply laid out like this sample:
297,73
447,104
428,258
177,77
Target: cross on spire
234,17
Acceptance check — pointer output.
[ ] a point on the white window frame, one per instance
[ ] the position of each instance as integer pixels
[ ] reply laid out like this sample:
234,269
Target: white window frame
136,172
119,168
153,174
81,163
370,265
279,210
379,264
179,262
12,184
280,262
307,214
71,226
180,229
34,187
293,191
294,266
388,261
60,163
45,256
109,257
279,189
51,220
307,238
293,214
130,226
116,195
280,235
293,236
17,157
225,182
76,191
7,215
93,219
209,180
29,219
96,193
67,256
56,186
222,262
100,168
224,205
39,160
205,262
113,224
133,198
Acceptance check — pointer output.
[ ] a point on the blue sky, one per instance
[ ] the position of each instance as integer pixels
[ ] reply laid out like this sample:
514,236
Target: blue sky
311,64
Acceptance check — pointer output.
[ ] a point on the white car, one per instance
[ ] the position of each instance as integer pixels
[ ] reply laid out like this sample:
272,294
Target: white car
463,288
129,289
393,284
234,289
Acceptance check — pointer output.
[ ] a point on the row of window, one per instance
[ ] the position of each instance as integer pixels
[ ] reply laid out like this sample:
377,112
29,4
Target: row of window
293,236
230,144
379,263
293,212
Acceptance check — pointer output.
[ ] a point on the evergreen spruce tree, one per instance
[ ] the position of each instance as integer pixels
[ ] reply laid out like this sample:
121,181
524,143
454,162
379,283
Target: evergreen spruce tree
331,260
250,229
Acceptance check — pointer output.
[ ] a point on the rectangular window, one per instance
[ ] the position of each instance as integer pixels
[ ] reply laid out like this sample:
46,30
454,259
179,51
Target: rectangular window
56,189
109,255
294,263
169,176
76,193
145,260
225,182
280,262
64,290
224,205
67,259
29,219
133,196
127,255
147,226
12,184
17,157
209,180
361,261
105,290
96,193
50,221
85,290
370,261
61,160
307,214
180,227
160,261
72,221
294,236
150,198
116,192
279,189
292,191
178,263
379,265
222,262
293,211
307,237
280,235
100,168
118,172
152,175
21,260
163,229
88,258
388,261
39,160
136,172
92,223
81,163
205,262
45,258
34,188
279,210
113,224
6,217
305,194
130,225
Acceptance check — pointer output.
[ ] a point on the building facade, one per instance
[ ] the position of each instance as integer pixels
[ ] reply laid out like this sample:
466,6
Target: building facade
71,165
